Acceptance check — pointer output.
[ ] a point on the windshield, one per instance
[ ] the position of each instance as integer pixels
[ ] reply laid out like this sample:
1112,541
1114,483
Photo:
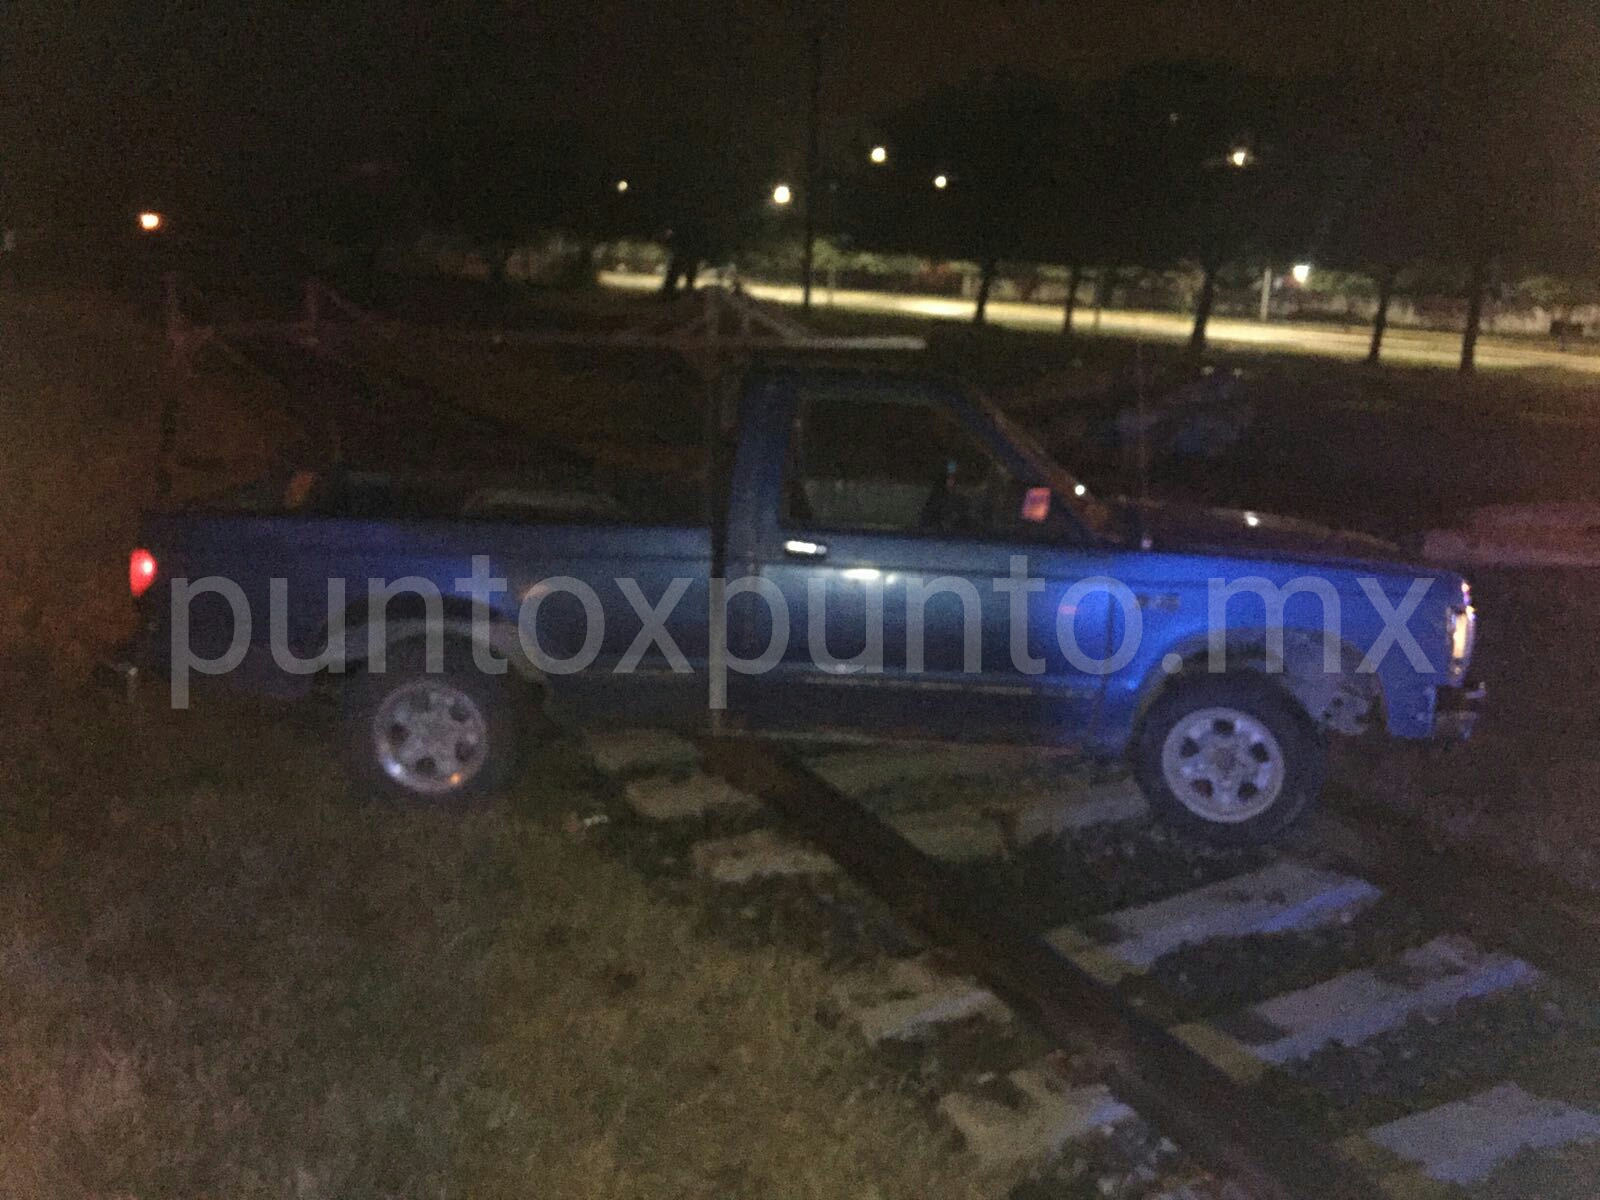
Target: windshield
1072,491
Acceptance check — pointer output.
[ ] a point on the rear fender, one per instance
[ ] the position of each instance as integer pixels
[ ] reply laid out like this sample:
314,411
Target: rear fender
407,620
499,638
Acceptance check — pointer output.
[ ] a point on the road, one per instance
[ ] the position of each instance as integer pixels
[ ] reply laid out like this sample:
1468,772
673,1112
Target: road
1411,347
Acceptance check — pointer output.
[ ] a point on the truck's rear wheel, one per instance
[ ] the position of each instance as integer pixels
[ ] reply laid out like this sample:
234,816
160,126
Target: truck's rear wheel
449,737
1230,759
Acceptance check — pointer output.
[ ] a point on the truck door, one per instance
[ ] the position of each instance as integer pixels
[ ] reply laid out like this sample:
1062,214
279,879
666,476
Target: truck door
899,537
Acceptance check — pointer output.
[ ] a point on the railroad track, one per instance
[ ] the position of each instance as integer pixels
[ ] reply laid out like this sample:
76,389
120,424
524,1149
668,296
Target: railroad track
1321,1020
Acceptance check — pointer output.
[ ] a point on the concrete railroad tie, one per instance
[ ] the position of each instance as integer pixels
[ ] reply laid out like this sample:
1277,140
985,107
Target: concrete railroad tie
912,998
1030,1116
663,798
1282,897
760,854
632,750
1466,1140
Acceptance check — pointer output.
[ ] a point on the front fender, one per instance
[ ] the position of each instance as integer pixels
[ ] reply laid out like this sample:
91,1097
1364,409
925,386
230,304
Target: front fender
1341,699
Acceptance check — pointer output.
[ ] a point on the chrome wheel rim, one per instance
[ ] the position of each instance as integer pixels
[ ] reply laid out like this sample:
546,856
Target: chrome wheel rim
430,737
1223,764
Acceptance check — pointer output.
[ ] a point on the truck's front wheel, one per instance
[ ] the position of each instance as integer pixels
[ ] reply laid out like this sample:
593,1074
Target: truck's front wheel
448,736
1229,758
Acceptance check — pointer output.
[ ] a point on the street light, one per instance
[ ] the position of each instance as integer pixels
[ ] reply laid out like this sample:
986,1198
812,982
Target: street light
782,194
1301,272
622,186
149,221
941,182
879,155
1240,156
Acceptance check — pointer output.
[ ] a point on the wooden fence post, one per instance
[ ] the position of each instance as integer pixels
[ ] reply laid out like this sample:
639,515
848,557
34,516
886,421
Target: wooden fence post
172,318
178,361
311,311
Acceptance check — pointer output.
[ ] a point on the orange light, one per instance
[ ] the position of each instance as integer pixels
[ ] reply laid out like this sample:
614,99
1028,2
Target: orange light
1036,504
149,221
141,572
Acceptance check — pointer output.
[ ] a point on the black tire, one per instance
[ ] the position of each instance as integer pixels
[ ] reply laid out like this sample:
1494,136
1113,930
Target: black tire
491,712
1222,812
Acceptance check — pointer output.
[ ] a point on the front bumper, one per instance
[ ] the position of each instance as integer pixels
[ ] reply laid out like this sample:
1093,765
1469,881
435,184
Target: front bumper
1456,710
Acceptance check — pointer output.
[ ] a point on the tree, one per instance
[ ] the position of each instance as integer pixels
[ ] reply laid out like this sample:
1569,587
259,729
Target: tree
1198,178
697,187
499,165
1391,219
973,175
1514,169
1449,173
500,177
1079,221
1070,303
369,207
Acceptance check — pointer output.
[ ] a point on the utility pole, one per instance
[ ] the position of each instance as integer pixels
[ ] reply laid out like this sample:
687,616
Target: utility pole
1469,339
813,154
1266,294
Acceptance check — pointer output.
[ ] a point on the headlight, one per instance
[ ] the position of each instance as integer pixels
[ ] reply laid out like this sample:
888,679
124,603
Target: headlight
1463,631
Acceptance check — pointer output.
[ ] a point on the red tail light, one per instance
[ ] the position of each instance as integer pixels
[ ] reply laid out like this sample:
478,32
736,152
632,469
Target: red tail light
1036,505
141,572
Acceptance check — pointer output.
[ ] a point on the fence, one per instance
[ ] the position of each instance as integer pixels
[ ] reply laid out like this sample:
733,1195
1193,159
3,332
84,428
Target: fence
713,330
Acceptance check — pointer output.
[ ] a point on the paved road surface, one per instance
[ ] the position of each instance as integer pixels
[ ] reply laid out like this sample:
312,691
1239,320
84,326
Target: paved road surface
1408,346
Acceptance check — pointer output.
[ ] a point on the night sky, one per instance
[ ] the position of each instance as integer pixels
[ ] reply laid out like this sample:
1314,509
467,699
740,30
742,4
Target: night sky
110,103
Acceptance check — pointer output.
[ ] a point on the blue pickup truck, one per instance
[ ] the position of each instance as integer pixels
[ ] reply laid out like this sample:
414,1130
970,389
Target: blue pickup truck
855,550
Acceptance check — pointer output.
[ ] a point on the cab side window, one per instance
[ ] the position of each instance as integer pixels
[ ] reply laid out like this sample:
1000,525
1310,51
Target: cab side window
887,461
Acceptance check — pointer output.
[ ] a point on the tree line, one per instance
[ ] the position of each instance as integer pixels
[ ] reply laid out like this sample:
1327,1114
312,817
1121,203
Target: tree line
1479,172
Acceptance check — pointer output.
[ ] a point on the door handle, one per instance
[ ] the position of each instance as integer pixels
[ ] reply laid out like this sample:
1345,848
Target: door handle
797,548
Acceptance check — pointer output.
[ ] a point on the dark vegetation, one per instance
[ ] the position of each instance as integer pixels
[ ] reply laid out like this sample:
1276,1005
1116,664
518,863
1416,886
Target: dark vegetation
1460,178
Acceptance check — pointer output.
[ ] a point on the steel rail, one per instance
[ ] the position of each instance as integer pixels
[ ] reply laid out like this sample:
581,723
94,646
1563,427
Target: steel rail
1183,1094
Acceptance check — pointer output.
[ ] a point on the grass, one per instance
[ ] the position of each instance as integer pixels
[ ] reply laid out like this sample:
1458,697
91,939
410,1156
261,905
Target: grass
223,976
